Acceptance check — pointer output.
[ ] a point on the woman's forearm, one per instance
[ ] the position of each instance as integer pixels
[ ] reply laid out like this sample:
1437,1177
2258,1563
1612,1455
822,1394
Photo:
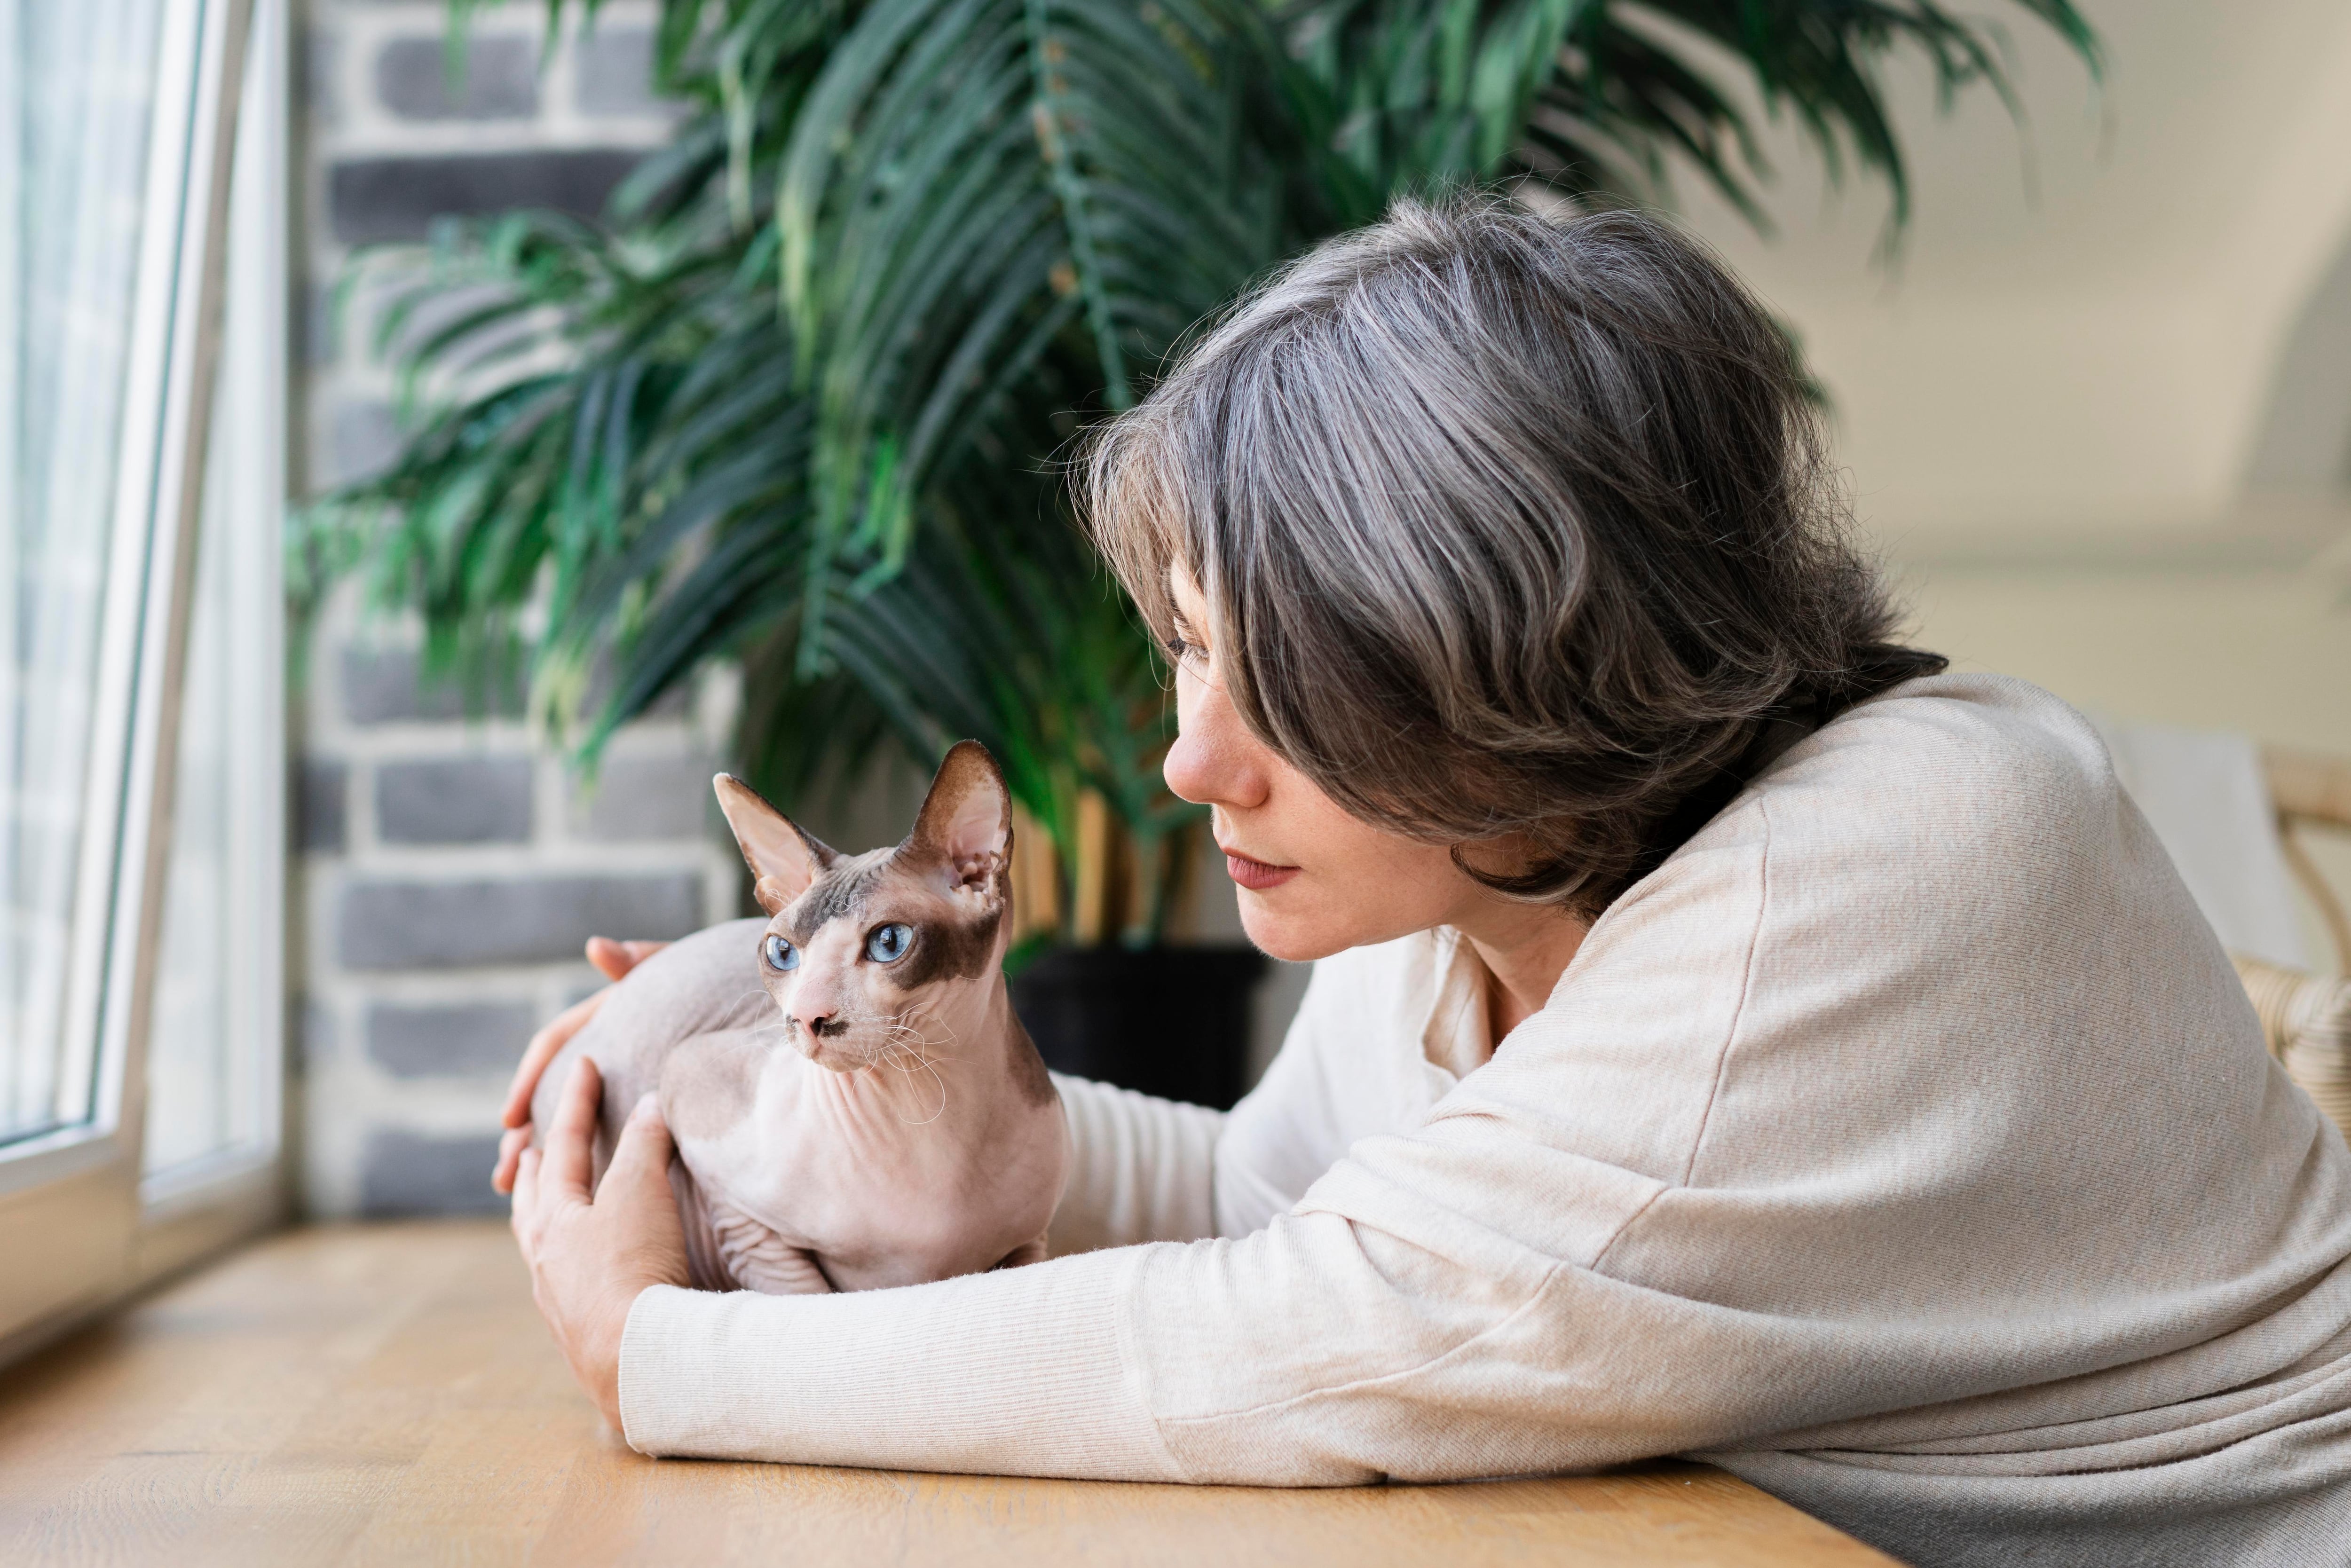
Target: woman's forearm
1313,1353
1018,1371
1142,1168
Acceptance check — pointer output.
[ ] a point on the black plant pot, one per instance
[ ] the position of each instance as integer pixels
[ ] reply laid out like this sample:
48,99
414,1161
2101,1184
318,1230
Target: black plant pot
1171,1021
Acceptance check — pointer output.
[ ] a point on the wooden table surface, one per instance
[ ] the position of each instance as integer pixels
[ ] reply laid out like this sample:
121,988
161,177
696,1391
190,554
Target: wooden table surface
386,1395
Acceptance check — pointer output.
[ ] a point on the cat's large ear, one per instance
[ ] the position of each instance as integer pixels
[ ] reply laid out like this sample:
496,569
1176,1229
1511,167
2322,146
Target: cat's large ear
783,858
965,825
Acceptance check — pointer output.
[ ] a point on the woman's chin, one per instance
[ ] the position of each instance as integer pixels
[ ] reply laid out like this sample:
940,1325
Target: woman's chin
1292,934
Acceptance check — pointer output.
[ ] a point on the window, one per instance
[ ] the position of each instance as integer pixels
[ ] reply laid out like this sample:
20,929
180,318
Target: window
130,576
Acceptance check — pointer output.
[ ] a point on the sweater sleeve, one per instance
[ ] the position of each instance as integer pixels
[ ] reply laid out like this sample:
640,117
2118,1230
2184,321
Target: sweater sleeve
1141,1168
1320,1350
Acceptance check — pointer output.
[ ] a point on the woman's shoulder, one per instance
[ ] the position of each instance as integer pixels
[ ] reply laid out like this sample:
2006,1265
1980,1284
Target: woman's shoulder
1967,806
1942,900
1969,715
1966,766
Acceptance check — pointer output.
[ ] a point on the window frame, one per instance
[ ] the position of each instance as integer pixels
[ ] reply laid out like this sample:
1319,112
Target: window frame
72,1208
203,1204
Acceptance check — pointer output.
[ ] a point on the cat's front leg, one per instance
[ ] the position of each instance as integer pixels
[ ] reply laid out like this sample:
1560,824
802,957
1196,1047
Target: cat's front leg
758,1258
726,1250
705,1260
1032,1251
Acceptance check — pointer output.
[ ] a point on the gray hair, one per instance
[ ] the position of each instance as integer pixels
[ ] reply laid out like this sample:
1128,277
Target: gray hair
1506,526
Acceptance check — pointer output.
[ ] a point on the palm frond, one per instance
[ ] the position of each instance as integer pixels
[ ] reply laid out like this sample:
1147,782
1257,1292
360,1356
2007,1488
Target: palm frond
975,182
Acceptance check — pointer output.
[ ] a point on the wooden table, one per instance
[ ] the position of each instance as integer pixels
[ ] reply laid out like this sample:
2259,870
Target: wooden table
386,1395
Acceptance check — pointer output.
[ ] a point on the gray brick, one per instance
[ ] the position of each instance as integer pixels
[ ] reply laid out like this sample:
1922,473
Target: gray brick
385,685
375,200
528,920
635,799
310,319
497,78
362,439
482,1037
317,1027
614,69
321,792
313,70
413,1172
453,800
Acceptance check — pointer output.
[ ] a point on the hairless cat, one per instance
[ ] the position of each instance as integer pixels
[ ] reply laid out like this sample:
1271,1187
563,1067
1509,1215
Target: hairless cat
853,1102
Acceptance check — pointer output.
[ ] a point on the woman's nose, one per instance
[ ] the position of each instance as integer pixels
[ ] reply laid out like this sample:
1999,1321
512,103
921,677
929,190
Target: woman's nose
1215,761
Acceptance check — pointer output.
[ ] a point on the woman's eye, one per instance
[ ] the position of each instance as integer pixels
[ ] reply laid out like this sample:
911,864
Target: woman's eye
1183,653
888,944
781,953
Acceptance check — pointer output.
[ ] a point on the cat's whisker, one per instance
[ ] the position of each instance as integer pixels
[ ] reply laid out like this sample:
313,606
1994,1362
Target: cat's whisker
898,1025
902,1049
935,1116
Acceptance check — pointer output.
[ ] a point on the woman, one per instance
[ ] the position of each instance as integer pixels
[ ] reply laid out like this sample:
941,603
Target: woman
1729,1035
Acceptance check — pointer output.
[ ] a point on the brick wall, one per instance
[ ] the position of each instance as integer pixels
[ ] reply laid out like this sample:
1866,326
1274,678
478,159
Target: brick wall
449,870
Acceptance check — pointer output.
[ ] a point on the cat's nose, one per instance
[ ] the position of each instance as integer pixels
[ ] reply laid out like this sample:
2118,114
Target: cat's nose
820,1024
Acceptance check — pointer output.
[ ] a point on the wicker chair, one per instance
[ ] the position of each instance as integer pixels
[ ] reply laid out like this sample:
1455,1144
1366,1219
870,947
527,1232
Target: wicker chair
2306,1019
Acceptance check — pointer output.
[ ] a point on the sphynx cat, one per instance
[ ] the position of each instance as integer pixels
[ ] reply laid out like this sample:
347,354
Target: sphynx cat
853,1102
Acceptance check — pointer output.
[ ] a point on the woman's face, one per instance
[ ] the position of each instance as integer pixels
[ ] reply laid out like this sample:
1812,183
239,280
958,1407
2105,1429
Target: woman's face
1313,880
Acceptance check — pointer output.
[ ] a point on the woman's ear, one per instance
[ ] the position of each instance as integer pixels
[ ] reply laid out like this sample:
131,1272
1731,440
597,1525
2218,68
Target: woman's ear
783,858
965,825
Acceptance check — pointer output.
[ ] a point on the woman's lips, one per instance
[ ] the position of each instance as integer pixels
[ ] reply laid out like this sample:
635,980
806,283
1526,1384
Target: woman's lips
1257,875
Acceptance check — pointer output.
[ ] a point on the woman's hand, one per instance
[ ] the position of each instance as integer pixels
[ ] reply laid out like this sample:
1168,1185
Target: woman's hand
590,1256
615,959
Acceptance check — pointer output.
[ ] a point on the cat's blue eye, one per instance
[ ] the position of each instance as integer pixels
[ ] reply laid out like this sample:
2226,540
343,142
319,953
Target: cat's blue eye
781,953
888,944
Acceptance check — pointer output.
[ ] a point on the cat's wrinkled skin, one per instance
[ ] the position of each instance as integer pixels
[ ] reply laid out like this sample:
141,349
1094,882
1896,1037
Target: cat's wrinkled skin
845,1123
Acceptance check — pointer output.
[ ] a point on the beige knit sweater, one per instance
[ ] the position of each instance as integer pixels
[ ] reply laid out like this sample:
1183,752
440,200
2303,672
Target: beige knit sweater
1904,1143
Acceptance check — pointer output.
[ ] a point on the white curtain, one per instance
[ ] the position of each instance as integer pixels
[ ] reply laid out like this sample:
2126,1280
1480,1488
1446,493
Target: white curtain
77,80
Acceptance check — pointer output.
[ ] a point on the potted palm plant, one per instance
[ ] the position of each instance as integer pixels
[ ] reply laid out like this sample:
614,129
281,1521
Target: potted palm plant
798,400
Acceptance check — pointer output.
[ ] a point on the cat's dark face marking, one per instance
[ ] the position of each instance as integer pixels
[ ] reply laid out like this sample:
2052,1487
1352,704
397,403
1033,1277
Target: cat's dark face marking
841,893
951,949
866,894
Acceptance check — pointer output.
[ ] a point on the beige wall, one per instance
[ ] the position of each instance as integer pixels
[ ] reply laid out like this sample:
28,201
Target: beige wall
2260,650
2085,331
2099,413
